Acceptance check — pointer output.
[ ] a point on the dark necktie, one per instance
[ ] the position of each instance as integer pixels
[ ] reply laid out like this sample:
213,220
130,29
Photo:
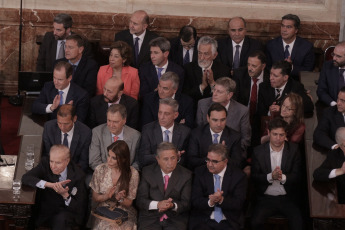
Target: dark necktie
236,62
136,49
286,52
74,69
65,141
186,58
159,72
277,95
61,53
215,138
253,98
341,78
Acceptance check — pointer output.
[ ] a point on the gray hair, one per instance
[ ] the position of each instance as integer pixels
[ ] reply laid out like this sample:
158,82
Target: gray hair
166,146
171,76
60,148
118,108
340,135
227,83
64,19
171,102
205,40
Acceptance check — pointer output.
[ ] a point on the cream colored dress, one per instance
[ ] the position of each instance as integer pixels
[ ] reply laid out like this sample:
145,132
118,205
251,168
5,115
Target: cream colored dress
101,182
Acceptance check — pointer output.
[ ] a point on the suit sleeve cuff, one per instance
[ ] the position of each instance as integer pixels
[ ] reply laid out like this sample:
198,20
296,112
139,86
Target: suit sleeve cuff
283,179
153,205
269,178
332,174
41,184
333,103
201,91
333,146
48,108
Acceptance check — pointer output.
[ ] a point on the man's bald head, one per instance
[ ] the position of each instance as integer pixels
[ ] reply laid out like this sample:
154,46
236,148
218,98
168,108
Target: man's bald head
113,89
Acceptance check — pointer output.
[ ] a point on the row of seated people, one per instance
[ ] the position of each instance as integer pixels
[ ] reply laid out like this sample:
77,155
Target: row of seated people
140,54
167,195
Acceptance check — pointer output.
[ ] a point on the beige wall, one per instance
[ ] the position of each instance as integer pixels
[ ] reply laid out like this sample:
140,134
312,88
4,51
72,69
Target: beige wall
308,10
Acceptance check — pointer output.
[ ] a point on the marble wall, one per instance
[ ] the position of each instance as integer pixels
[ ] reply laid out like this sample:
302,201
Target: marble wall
99,24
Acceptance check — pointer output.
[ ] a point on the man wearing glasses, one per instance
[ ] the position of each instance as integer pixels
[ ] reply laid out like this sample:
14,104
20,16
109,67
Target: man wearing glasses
214,132
332,76
290,47
218,192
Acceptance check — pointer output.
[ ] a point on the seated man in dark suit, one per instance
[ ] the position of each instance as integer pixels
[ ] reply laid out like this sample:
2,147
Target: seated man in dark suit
85,69
331,78
63,198
151,72
332,119
214,132
138,37
184,47
218,194
334,166
112,94
238,114
271,94
290,47
164,192
66,130
233,51
165,129
167,88
115,129
276,174
61,91
200,76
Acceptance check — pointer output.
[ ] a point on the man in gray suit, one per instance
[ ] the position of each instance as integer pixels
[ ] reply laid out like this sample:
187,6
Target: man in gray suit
66,130
115,129
165,129
238,114
164,192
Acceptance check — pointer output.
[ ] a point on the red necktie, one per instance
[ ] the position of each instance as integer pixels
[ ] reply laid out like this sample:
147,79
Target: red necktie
253,99
116,138
166,181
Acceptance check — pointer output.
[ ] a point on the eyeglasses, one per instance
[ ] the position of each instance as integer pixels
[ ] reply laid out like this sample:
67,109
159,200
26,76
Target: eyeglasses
213,161
287,108
336,55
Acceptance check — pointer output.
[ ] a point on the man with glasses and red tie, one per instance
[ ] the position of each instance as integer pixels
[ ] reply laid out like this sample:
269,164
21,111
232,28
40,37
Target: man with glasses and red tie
218,192
290,47
214,132
164,192
115,129
331,78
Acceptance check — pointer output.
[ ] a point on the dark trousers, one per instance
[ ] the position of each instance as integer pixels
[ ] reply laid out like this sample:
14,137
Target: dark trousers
272,205
214,225
61,221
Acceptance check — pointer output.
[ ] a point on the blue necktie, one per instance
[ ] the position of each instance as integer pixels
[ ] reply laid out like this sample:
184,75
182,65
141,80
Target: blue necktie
218,214
186,58
236,62
166,136
61,97
215,140
341,78
286,52
159,72
65,141
136,49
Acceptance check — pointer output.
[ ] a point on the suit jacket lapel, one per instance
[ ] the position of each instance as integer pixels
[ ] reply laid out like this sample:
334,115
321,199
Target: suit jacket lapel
209,182
244,50
280,49
339,119
335,80
267,155
198,73
157,174
158,133
75,139
172,181
247,87
226,179
285,157
69,96
176,135
230,52
295,48
153,74
107,139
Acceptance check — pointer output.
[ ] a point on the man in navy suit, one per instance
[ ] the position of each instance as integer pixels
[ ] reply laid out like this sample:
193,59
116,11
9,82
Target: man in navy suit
290,47
237,40
332,119
167,88
165,129
218,192
276,174
61,91
151,72
271,93
138,37
331,78
215,131
200,76
85,69
184,47
66,130
112,94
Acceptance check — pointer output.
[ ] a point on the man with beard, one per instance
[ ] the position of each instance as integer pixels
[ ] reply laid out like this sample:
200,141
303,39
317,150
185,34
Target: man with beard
332,76
138,37
200,76
112,94
53,44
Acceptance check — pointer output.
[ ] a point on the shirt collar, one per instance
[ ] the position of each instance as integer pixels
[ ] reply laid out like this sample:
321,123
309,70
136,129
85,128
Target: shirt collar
164,66
120,136
63,175
65,90
271,150
170,129
290,45
220,133
70,133
221,174
76,63
282,88
115,103
163,174
234,44
141,36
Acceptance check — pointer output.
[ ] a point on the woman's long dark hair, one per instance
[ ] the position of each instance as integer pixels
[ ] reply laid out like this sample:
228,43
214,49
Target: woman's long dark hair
121,150
298,118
